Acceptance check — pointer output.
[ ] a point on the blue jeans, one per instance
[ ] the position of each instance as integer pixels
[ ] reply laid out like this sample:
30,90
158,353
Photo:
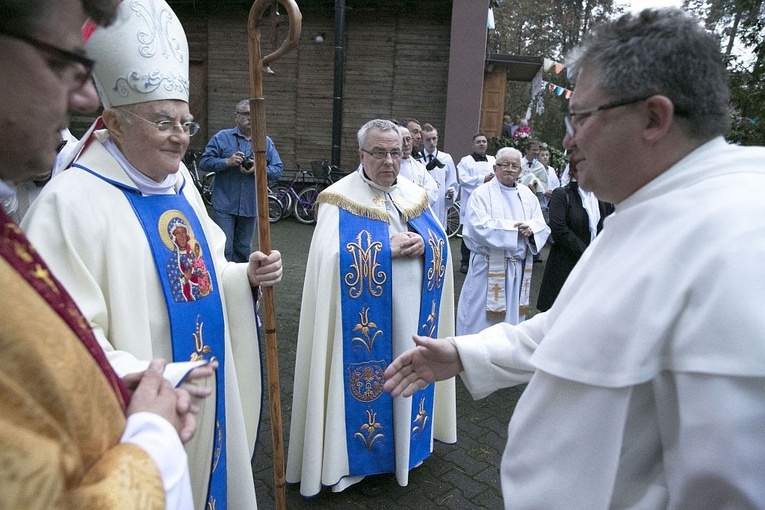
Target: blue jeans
239,231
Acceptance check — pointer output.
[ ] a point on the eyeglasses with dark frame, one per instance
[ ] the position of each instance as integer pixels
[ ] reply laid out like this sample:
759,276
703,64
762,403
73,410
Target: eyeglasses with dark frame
574,119
382,153
165,126
80,66
243,114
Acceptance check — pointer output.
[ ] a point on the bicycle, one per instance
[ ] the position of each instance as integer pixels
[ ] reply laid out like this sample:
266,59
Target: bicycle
453,220
287,193
305,210
203,183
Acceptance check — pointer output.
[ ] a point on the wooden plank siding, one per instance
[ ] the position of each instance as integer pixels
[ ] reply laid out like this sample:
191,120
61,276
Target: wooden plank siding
396,66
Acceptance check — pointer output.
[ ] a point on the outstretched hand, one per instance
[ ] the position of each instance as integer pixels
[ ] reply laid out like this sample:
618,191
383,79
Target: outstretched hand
430,361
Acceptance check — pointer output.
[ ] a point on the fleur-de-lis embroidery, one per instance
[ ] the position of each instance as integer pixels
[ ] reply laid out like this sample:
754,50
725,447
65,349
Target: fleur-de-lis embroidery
430,323
437,269
420,421
365,268
157,36
368,432
366,326
200,349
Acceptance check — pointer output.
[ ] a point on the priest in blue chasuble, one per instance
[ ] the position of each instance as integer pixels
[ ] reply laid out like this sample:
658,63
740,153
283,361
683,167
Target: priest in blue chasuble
378,272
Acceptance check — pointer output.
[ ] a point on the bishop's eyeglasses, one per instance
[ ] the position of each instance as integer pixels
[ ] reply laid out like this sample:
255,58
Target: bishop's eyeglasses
165,126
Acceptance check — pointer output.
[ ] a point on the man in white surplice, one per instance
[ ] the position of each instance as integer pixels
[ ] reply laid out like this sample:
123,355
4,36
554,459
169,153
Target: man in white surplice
441,167
646,384
414,170
503,228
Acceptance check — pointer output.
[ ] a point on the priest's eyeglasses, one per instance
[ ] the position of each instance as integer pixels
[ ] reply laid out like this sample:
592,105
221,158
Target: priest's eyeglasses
575,119
382,153
514,166
168,126
62,62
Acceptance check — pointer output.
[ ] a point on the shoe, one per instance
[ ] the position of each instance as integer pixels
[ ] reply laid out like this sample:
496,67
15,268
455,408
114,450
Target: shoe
464,268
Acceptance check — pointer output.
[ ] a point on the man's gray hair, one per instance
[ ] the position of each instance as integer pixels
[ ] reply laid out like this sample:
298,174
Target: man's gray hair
379,124
506,152
666,52
30,16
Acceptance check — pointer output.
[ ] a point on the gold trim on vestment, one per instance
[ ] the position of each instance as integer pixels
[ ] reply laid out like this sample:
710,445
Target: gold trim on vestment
373,213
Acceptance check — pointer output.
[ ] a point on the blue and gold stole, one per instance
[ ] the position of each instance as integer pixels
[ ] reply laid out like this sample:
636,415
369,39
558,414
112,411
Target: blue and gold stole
367,300
189,283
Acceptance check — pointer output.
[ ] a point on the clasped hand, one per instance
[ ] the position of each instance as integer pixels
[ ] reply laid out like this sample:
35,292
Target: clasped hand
264,270
152,393
406,244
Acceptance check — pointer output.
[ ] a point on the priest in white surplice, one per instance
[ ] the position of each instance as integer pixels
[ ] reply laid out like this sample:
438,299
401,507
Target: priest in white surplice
443,170
414,170
378,271
503,228
646,378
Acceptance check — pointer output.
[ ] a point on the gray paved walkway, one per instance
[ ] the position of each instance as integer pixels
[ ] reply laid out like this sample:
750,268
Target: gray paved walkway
464,475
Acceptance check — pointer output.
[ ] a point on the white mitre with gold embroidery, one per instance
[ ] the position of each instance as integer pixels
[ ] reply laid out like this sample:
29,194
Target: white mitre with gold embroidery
143,56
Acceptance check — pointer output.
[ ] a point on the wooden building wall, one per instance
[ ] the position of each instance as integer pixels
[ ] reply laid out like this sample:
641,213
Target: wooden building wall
396,66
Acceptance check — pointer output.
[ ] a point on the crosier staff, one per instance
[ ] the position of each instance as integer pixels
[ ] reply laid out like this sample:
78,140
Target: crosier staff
258,109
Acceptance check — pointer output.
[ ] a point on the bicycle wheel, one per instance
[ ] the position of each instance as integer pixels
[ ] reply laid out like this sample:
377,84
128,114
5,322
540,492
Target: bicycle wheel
207,185
275,209
282,192
304,211
453,220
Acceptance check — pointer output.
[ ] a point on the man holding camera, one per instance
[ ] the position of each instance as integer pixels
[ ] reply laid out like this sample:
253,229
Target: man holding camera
229,155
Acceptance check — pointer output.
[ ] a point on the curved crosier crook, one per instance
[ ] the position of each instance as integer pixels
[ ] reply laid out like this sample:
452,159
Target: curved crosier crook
293,37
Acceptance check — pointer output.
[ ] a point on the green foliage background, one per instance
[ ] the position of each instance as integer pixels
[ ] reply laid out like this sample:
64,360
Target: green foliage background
551,28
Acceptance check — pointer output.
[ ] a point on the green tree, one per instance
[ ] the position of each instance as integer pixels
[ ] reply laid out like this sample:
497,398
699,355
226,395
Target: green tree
546,29
741,27
550,29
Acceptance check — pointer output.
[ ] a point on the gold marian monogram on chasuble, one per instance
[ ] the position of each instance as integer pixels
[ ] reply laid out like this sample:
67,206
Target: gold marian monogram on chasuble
365,268
437,268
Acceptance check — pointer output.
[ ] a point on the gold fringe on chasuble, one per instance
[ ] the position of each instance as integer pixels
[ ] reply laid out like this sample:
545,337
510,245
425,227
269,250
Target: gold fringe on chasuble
373,213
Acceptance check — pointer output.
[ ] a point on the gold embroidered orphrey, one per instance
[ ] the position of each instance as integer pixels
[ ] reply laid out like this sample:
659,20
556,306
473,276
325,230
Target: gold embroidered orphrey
437,269
429,328
366,380
200,349
368,432
365,326
420,420
364,269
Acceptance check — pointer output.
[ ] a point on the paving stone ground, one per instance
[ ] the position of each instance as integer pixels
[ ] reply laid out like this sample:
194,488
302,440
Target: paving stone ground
464,475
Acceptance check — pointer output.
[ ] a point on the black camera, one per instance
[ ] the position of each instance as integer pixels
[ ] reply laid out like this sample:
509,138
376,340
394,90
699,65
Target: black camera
248,163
